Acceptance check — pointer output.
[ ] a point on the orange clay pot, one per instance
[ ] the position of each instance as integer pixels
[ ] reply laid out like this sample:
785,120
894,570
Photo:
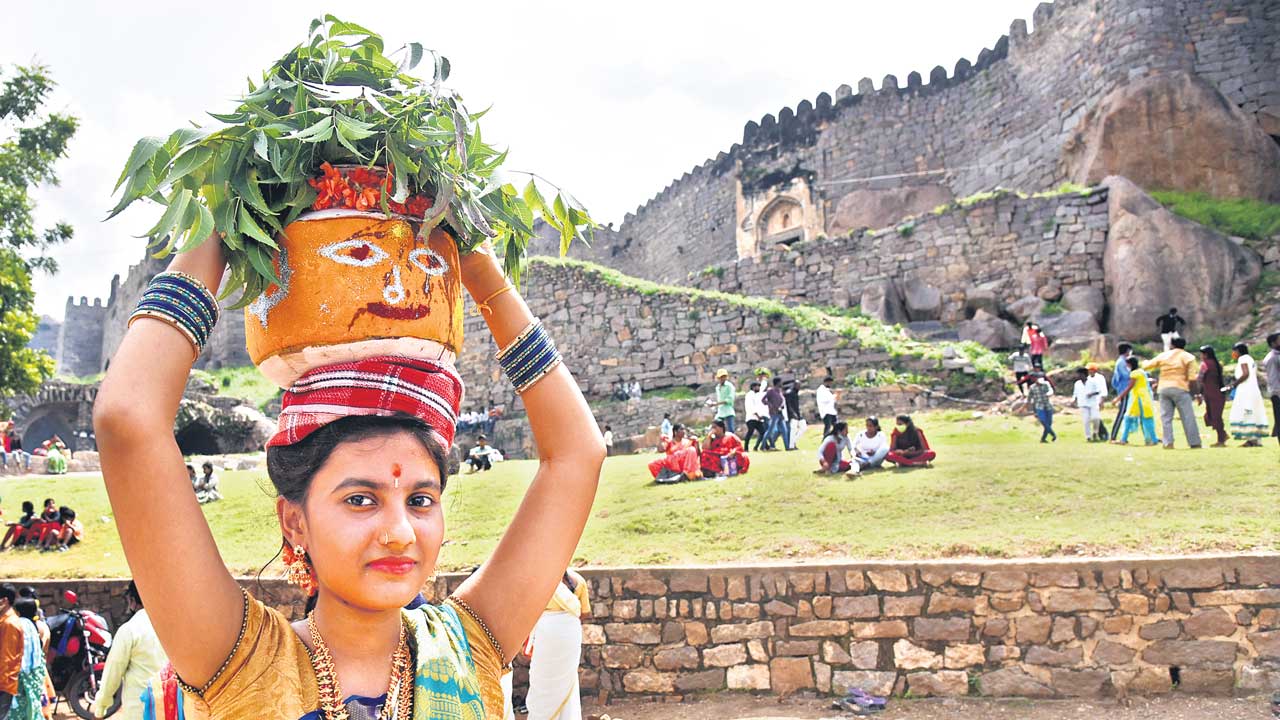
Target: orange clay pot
358,285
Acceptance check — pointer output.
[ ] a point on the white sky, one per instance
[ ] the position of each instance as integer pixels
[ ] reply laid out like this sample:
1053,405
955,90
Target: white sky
611,100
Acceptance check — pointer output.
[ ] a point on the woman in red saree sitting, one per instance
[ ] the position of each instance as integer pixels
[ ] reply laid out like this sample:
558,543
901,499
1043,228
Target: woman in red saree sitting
908,446
724,454
680,458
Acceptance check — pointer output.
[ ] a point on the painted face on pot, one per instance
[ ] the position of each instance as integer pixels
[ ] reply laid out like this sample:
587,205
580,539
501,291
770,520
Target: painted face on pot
358,278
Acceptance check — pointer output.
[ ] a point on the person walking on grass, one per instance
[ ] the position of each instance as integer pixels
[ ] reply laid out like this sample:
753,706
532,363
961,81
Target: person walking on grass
1135,398
1021,369
1176,367
1039,391
1089,392
1248,414
1120,381
775,403
826,398
1038,343
1211,383
757,415
725,392
1271,368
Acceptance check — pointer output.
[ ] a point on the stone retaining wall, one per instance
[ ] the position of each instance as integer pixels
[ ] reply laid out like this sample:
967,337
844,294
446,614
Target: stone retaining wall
1038,628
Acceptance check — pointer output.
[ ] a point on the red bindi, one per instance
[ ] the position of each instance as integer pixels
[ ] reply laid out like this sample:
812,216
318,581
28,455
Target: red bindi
395,470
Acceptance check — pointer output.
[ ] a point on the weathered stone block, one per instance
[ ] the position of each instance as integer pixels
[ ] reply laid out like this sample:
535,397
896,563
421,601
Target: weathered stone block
777,608
1133,604
756,651
748,677
645,681
695,633
1079,683
873,682
625,609
821,607
1267,644
1008,602
622,656
936,578
691,583
638,633
1064,629
736,588
1002,653
1266,596
646,585
1012,682
944,683
949,629
958,657
1192,578
1112,653
1056,578
1210,682
1075,600
798,648
1160,630
1209,623
741,631
855,581
682,658
1190,653
903,606
787,675
889,580
705,680
884,629
909,656
1043,655
940,603
996,627
592,634
1005,580
819,628
966,578
1118,625
1032,629
724,655
857,606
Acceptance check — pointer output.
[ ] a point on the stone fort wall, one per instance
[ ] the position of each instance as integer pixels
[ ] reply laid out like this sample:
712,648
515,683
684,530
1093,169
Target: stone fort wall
79,342
1002,119
1040,628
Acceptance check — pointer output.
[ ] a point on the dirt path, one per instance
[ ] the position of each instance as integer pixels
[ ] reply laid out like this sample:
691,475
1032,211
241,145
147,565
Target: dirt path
726,707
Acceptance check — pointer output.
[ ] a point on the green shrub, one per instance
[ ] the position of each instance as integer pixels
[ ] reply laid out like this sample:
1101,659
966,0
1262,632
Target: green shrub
1250,219
1054,308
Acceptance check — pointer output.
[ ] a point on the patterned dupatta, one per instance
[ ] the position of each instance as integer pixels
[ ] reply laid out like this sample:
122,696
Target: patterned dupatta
446,685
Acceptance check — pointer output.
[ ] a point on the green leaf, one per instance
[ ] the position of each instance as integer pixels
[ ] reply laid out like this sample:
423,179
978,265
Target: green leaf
247,187
319,131
172,214
250,227
353,129
190,160
201,230
261,262
143,151
260,145
415,55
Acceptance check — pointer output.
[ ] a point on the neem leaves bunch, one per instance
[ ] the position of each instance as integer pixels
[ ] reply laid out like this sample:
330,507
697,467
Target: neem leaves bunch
337,99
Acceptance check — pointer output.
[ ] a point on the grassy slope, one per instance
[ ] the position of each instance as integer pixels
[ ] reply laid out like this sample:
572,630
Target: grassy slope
996,492
1250,219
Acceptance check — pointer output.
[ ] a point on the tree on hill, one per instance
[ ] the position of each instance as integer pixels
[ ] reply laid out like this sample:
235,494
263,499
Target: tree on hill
31,141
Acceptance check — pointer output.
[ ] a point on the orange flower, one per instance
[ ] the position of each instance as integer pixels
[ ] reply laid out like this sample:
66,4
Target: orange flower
418,205
365,177
368,199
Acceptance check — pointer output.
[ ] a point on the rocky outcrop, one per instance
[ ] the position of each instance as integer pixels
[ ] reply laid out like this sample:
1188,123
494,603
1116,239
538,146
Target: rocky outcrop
882,300
883,208
1175,131
990,331
1155,260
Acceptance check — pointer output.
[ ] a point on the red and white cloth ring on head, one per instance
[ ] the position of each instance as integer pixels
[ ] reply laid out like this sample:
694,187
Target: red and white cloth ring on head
384,386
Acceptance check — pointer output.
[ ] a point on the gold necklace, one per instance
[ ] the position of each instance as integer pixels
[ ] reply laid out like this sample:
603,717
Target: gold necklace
399,700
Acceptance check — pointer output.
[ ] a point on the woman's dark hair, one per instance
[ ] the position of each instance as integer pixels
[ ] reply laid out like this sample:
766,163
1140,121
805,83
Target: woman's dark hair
1215,367
1132,362
837,427
1125,347
206,465
27,591
26,608
874,421
28,507
67,513
291,467
910,433
720,424
1241,348
755,385
678,427
48,502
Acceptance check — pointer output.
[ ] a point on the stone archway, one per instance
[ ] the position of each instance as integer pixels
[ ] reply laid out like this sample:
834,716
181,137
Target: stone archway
48,420
197,438
781,221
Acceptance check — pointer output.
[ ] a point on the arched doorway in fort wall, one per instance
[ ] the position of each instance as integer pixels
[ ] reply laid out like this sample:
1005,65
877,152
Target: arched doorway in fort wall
784,214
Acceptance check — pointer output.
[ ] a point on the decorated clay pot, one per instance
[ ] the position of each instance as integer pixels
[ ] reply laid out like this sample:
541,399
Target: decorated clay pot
357,284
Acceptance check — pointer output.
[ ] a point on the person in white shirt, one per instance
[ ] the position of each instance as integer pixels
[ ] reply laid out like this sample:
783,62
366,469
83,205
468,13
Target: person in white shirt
870,447
134,658
1089,392
757,415
608,440
826,398
831,452
482,455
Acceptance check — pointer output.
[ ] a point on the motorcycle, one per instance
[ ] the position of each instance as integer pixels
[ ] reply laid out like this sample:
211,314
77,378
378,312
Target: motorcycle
78,645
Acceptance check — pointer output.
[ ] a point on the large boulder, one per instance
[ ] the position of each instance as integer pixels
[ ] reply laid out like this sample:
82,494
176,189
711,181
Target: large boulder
1086,298
882,300
1073,323
1155,260
876,208
1178,132
924,301
982,298
1100,347
1023,309
990,331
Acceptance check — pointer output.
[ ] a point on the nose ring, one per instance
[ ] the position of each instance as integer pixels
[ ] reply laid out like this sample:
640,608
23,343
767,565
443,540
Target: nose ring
386,538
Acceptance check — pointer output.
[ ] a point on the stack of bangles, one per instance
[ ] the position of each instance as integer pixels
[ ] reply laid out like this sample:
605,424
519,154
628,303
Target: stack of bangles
529,357
182,302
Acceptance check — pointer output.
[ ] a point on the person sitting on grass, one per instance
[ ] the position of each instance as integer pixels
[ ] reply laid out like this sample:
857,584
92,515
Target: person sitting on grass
871,447
832,451
908,446
724,454
482,455
68,532
207,485
16,534
680,460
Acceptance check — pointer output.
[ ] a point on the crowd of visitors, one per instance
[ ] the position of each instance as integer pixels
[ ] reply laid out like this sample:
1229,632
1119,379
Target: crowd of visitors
56,528
1173,382
26,692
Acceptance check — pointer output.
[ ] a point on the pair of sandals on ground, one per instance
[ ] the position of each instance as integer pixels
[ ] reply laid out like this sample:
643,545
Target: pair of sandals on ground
860,703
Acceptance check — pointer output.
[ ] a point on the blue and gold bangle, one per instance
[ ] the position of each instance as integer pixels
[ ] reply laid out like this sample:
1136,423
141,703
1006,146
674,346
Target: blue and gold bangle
182,302
530,357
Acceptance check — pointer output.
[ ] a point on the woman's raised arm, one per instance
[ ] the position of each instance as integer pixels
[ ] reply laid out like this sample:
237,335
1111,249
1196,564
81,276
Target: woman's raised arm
194,603
513,586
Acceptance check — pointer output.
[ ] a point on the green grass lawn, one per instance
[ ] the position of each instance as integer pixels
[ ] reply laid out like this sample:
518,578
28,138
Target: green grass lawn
994,492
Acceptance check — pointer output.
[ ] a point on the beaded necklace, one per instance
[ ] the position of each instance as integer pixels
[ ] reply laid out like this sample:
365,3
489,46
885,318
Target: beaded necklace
399,699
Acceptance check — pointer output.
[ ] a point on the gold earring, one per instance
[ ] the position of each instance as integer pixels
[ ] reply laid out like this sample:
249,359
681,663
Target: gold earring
298,569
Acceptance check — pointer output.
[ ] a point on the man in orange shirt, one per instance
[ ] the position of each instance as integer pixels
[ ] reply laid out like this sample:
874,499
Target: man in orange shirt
11,637
1177,369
